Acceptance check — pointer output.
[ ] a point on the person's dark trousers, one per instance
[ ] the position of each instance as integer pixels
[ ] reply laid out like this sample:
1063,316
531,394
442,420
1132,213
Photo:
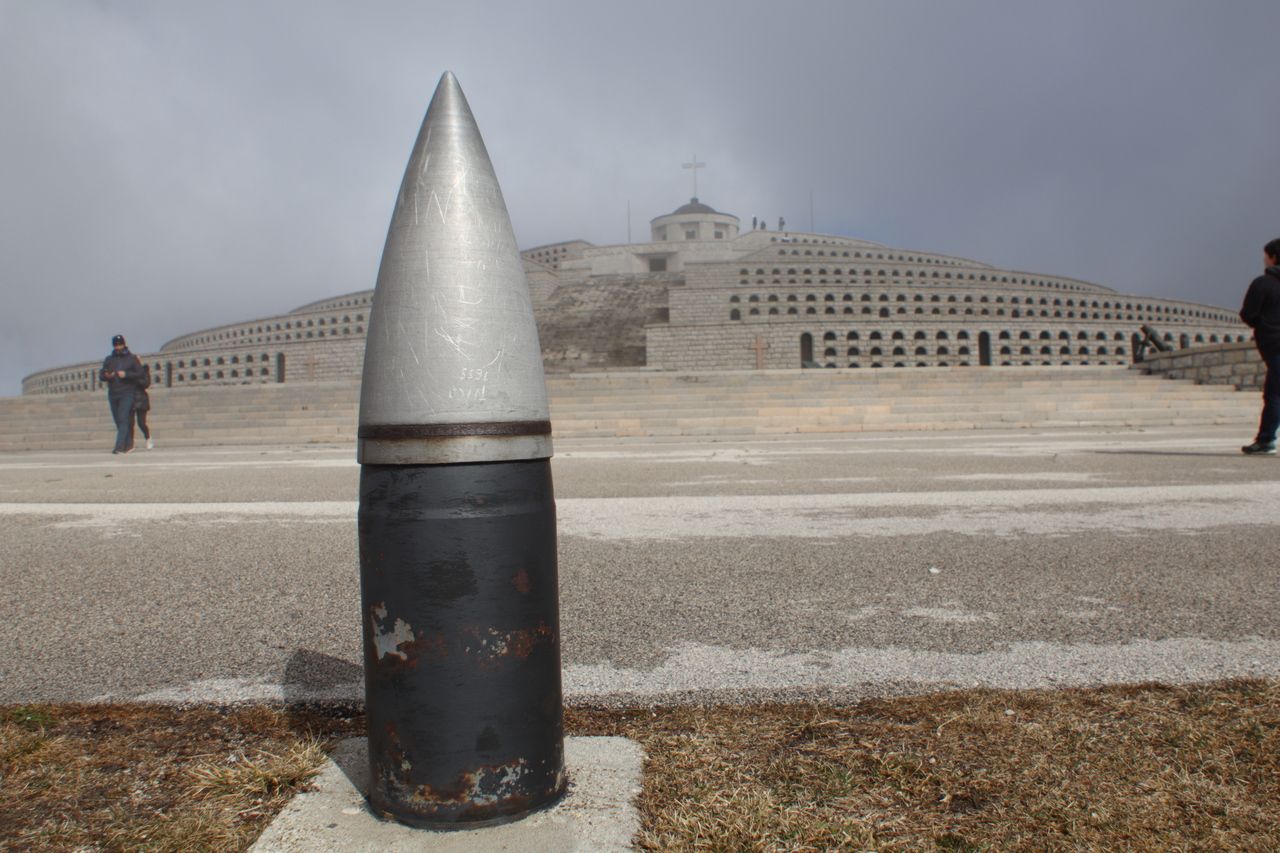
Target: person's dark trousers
122,413
1270,401
142,422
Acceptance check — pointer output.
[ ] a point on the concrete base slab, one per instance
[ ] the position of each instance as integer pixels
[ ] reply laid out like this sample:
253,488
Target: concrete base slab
596,815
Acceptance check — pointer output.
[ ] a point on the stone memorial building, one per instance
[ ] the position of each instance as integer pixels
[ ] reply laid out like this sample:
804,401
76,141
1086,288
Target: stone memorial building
702,294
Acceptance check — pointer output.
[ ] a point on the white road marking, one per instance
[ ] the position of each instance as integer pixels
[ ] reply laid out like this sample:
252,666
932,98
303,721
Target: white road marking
1029,477
197,464
1126,509
694,668
948,614
980,443
110,514
1183,509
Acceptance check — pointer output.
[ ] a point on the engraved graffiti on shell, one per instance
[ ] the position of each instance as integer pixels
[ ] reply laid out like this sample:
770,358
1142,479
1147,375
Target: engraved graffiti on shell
456,327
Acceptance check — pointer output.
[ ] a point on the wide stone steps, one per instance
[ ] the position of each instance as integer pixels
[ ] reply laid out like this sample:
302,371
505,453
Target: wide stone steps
641,403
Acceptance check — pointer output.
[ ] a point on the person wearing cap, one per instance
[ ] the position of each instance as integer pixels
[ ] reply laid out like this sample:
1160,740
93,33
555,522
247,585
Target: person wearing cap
122,372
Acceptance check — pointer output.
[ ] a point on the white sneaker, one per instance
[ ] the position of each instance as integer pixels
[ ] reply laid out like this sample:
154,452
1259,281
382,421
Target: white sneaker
150,445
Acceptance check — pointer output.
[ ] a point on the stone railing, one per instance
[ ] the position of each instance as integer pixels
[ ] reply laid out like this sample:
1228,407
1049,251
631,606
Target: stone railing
1235,364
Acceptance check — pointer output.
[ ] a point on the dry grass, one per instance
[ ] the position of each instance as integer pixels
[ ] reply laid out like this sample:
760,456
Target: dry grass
1138,768
121,777
1124,768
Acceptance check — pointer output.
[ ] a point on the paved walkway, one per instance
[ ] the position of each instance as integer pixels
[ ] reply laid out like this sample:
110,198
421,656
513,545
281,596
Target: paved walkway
690,569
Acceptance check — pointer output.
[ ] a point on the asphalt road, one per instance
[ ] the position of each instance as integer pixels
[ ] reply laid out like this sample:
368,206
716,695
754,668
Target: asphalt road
690,570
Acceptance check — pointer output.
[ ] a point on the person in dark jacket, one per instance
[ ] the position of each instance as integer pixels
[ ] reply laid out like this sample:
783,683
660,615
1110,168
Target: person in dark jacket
142,404
1261,312
122,372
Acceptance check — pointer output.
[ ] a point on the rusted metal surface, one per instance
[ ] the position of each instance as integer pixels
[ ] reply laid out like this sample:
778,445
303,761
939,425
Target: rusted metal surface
398,432
459,594
461,641
471,797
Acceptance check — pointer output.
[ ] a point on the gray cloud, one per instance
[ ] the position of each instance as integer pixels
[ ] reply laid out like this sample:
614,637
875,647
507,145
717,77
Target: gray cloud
168,166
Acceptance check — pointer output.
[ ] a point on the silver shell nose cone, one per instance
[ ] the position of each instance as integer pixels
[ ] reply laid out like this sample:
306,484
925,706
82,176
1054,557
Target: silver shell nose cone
452,368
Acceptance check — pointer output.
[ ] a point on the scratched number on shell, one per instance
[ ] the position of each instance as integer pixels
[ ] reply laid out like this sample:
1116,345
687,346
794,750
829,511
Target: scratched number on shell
473,393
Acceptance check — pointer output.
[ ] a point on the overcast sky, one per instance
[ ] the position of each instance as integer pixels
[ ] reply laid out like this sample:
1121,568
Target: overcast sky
170,166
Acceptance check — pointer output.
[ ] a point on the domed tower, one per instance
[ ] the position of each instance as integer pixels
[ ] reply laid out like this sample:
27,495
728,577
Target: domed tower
693,221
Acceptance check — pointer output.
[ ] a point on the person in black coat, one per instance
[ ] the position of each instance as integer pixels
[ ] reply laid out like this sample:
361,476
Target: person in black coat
1261,312
142,404
122,372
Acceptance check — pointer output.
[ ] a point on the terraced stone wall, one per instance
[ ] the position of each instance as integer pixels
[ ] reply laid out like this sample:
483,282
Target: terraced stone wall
1237,364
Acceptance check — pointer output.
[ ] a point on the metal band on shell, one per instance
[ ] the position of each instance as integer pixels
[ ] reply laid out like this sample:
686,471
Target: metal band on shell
443,444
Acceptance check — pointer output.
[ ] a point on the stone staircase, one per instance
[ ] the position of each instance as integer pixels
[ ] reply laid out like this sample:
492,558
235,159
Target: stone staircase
651,403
